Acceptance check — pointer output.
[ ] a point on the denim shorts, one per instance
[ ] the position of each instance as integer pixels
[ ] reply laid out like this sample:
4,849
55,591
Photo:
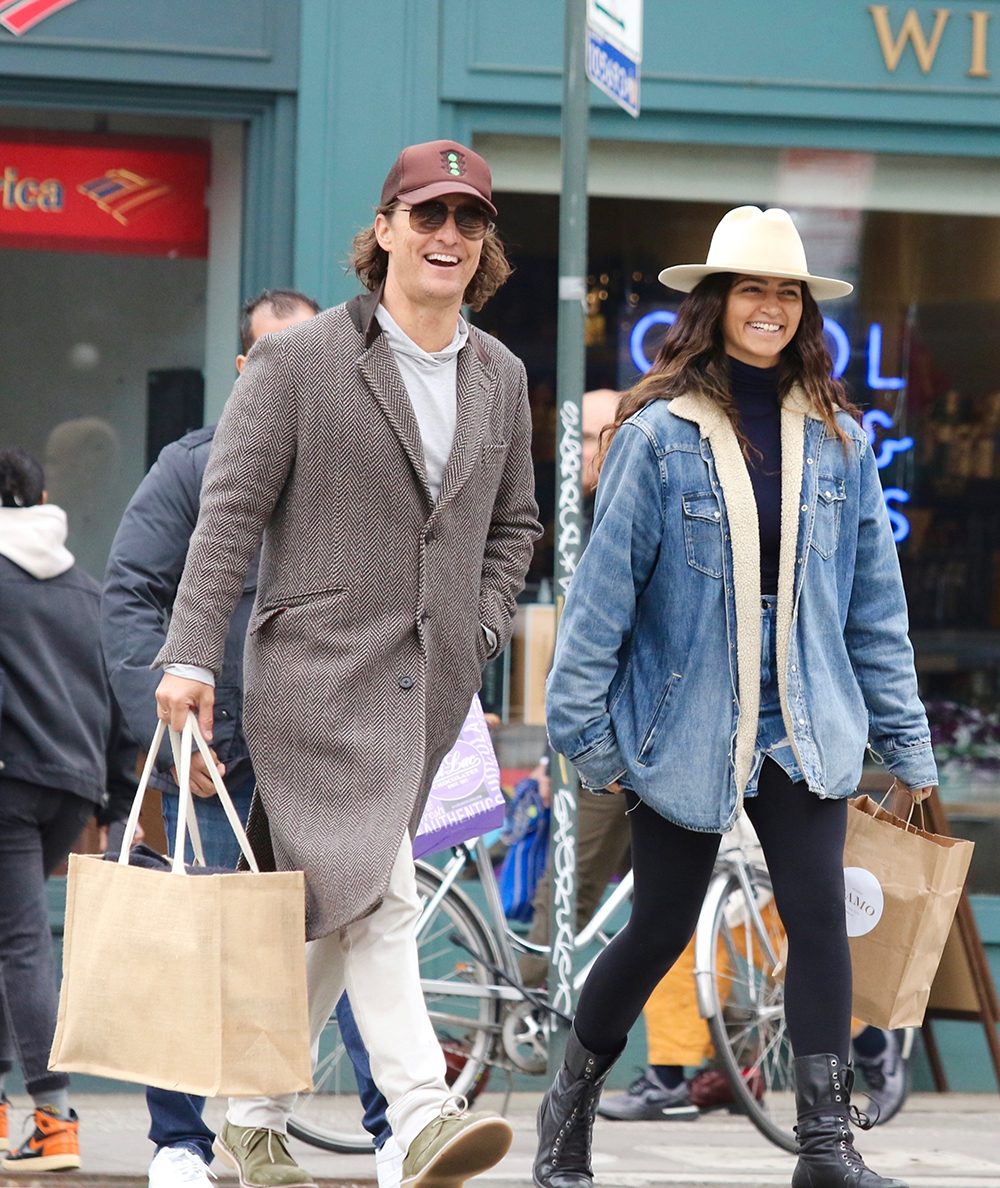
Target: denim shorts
772,738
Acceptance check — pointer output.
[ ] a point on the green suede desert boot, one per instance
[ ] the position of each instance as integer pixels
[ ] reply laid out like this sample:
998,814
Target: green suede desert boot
455,1146
260,1157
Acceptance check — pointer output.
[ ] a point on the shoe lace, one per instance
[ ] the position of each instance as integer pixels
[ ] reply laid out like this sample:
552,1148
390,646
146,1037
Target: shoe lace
252,1136
455,1106
189,1167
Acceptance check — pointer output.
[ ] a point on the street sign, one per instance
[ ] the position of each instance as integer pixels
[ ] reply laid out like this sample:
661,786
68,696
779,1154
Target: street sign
614,49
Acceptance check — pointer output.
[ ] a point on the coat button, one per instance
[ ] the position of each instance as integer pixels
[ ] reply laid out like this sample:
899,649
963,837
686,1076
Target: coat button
406,682
429,535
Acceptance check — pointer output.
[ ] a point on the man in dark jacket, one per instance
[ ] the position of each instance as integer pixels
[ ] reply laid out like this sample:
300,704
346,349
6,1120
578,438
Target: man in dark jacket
144,569
62,757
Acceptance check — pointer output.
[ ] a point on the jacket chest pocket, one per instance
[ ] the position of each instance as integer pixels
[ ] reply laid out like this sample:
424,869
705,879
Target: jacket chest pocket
830,501
703,532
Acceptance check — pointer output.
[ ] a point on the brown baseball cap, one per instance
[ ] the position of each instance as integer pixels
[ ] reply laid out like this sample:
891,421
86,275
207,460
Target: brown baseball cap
426,171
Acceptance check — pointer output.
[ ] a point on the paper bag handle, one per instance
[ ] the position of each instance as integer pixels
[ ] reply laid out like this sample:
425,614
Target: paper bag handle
182,745
913,805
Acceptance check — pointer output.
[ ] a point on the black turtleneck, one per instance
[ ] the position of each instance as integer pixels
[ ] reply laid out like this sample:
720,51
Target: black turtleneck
755,390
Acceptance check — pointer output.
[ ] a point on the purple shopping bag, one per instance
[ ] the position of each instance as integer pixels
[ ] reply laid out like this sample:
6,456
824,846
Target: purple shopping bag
465,799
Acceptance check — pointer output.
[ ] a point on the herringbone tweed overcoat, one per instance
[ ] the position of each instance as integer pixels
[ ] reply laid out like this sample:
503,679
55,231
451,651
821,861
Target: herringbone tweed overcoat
365,646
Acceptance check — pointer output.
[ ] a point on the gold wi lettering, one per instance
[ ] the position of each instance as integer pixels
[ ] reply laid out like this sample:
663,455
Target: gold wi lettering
979,23
911,30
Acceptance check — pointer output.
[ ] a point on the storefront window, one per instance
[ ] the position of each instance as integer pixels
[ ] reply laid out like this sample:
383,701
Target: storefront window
916,346
104,260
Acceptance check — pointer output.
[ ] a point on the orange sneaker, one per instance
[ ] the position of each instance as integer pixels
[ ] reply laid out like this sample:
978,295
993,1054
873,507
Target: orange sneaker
54,1145
4,1123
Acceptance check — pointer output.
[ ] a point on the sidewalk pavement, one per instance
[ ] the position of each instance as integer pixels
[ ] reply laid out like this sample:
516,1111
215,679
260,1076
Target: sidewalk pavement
938,1141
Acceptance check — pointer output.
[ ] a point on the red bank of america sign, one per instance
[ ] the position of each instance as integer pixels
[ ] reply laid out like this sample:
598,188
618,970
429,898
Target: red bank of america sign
103,193
21,15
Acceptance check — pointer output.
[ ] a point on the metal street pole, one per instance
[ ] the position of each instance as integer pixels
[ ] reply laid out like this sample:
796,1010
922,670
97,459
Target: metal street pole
570,382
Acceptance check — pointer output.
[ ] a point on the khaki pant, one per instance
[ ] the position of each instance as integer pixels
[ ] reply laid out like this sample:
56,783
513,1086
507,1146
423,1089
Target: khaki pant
375,961
602,851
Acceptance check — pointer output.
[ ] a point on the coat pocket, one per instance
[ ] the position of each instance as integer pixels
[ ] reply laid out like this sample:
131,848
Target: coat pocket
268,613
830,501
703,532
648,744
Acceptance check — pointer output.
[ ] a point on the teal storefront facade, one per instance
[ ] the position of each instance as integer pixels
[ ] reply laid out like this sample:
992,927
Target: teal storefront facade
877,125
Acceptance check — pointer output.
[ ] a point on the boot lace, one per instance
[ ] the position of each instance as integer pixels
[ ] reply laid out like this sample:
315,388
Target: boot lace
572,1146
251,1137
862,1120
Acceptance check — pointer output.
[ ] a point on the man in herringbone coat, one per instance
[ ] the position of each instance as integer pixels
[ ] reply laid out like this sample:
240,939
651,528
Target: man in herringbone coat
383,450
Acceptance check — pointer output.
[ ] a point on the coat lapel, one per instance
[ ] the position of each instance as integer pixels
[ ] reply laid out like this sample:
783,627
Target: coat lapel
386,384
744,538
473,389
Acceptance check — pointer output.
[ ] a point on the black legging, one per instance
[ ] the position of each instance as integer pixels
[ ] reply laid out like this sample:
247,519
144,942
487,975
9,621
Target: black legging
803,841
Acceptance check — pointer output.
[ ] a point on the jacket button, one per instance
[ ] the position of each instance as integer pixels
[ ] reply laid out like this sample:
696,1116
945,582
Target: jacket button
429,535
406,682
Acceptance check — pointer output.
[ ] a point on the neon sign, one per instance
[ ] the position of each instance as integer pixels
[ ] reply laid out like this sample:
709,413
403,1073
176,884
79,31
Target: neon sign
876,381
890,447
841,355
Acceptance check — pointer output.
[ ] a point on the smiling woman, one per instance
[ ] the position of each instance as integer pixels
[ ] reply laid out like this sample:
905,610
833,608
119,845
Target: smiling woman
761,317
741,568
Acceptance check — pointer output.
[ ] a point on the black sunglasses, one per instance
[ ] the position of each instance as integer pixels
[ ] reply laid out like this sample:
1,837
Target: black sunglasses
472,221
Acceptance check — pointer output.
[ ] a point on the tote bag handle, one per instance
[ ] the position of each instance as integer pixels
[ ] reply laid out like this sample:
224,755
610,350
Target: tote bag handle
182,745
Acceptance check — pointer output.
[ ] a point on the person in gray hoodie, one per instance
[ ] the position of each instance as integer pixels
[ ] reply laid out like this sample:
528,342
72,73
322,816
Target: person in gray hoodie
63,757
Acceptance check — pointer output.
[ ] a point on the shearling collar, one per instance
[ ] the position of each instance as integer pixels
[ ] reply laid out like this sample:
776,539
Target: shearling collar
704,412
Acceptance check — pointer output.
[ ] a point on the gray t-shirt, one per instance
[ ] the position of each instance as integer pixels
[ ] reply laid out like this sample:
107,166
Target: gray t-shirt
431,383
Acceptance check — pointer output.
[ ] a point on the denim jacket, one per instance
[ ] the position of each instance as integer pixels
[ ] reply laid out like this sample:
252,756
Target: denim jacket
656,676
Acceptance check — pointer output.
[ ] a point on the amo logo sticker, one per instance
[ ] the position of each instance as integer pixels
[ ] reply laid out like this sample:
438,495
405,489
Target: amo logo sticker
863,900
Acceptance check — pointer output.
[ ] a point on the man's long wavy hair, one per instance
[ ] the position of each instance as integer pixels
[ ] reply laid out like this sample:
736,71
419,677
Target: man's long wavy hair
371,263
693,359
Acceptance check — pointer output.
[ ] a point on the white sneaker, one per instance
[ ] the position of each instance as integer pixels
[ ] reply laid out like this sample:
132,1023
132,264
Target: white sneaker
389,1164
174,1166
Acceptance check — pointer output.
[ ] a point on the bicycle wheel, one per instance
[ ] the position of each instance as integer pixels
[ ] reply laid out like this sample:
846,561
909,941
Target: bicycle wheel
467,1026
747,1017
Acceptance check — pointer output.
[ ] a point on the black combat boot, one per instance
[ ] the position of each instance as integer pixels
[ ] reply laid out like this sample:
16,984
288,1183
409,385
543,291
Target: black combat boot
566,1118
827,1158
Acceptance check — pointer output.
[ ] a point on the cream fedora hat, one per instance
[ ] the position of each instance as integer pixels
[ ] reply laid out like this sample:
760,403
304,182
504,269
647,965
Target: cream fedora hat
755,242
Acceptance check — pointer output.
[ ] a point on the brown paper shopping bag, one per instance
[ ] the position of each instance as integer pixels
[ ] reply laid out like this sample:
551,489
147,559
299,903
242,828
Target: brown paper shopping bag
902,886
190,983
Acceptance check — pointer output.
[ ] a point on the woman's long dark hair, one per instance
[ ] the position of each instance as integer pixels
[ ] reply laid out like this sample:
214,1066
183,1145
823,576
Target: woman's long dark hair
693,359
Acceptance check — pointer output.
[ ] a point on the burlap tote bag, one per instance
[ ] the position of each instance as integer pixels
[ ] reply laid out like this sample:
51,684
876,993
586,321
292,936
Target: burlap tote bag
196,984
902,887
